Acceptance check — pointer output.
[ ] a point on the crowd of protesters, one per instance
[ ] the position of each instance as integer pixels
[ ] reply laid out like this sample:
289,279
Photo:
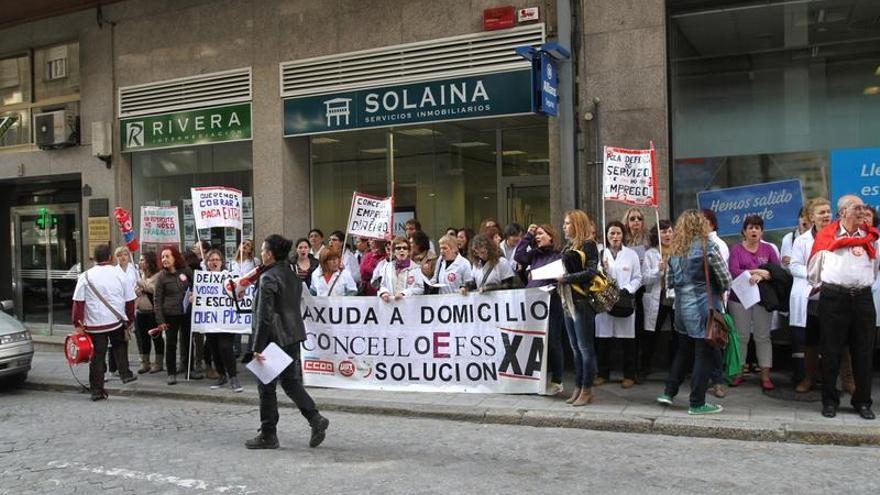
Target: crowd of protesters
823,280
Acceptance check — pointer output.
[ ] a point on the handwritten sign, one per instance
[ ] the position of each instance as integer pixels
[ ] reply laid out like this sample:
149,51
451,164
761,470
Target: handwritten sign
213,311
159,225
777,203
630,176
370,216
216,207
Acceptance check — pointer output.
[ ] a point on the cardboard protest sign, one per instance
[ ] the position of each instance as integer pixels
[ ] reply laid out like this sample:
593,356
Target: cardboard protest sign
371,216
160,225
216,207
777,203
213,311
630,176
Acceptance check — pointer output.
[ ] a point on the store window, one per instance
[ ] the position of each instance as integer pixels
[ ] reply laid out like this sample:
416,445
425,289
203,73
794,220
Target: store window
446,175
766,91
164,178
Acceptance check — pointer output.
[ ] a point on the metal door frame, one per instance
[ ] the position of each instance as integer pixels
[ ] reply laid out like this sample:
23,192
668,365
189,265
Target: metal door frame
15,214
506,186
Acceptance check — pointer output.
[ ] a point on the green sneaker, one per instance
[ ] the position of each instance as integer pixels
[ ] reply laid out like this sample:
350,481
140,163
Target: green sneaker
664,399
705,409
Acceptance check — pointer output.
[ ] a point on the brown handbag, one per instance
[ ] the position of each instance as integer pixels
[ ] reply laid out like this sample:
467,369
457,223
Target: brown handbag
716,326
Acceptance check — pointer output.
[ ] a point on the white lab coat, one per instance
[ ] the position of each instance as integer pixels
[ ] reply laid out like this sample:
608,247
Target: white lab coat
800,287
452,276
502,271
628,273
413,282
351,264
651,280
344,286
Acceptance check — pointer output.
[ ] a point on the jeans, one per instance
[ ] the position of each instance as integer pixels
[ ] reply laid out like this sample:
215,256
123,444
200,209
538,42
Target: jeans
581,335
292,384
220,345
554,338
696,351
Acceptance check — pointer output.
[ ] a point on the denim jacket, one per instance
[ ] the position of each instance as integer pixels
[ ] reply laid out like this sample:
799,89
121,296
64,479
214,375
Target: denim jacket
685,274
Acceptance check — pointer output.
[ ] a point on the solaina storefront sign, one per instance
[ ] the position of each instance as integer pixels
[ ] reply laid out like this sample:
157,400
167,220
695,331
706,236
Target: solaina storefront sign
186,128
489,95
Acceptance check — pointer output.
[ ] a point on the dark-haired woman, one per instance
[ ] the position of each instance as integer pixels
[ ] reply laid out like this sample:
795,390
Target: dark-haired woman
304,264
370,267
145,315
420,252
657,299
464,237
172,285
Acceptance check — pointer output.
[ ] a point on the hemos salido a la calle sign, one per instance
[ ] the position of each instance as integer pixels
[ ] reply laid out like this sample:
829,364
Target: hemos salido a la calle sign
489,95
186,128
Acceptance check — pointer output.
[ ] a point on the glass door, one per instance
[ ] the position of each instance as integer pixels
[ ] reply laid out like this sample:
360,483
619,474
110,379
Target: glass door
526,201
46,263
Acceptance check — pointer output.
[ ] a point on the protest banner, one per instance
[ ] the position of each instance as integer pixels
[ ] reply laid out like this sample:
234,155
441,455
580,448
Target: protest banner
159,225
630,176
856,171
370,216
494,342
777,203
213,311
216,207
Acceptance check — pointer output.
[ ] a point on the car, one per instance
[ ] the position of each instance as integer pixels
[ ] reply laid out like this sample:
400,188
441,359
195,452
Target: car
16,348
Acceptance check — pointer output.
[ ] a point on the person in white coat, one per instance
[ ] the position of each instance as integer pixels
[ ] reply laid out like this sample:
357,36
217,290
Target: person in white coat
452,271
348,259
330,279
657,300
491,271
622,264
245,259
401,277
803,313
804,225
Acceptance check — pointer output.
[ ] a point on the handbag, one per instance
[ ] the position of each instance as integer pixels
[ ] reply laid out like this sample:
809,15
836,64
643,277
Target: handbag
717,331
602,294
626,303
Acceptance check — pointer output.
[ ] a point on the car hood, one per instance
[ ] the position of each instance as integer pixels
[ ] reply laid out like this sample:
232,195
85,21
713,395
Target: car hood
9,325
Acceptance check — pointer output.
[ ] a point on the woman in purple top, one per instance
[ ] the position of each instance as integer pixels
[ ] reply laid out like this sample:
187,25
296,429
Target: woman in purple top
538,247
749,255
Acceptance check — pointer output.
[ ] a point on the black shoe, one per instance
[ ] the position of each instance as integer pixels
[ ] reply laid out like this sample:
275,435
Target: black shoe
172,379
262,441
829,410
130,378
865,412
99,395
219,383
319,428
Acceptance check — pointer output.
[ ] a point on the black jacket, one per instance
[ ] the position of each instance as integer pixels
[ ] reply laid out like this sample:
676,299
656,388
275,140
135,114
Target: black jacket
278,317
581,273
776,291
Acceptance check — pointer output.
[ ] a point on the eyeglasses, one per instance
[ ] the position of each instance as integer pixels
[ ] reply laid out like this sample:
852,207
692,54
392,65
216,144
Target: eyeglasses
635,219
401,248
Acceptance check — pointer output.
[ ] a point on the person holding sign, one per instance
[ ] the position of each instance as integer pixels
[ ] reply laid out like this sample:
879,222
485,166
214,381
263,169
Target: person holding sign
278,320
401,277
330,279
452,270
220,344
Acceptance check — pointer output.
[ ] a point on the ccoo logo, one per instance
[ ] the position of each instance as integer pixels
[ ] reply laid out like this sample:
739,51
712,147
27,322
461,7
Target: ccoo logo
134,134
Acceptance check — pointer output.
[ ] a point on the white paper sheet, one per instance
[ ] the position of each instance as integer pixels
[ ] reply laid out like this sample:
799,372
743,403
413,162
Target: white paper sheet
550,271
276,361
547,288
748,294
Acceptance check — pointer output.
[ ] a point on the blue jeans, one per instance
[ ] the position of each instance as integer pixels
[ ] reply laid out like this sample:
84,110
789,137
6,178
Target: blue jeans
581,334
702,355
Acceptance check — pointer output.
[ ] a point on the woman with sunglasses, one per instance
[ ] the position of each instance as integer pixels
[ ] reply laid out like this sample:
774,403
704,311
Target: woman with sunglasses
635,237
401,276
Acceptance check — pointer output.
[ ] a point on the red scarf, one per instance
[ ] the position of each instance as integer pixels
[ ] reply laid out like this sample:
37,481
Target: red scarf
827,240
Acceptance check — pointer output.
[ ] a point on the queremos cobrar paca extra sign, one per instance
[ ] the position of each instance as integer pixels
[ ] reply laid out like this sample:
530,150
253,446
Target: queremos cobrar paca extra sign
186,128
489,95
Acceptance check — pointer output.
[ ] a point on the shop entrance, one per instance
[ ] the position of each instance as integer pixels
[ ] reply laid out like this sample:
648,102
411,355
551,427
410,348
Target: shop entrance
46,261
526,201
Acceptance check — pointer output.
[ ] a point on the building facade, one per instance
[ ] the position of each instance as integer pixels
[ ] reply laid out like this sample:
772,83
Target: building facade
299,102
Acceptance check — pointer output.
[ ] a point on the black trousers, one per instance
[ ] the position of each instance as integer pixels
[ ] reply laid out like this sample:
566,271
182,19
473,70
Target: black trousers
219,345
292,384
648,340
847,319
176,331
100,342
604,348
143,322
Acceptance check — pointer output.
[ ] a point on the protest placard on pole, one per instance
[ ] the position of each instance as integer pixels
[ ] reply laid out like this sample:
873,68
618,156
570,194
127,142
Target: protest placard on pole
371,217
216,207
629,176
159,225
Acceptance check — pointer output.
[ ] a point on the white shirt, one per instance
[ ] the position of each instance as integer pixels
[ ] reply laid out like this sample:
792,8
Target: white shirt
452,276
352,265
344,286
502,271
113,285
847,266
409,282
316,254
242,267
132,275
627,271
722,246
507,251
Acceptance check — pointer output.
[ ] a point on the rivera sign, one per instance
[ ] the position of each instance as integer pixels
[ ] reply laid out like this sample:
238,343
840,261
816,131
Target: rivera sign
186,128
491,95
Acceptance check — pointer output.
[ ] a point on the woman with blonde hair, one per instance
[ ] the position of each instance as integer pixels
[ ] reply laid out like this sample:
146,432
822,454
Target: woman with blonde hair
581,259
685,274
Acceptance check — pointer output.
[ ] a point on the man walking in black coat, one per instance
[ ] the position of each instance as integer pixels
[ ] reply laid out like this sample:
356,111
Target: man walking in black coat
278,319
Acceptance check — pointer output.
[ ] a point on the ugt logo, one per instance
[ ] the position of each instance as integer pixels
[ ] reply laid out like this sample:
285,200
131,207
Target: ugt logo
134,134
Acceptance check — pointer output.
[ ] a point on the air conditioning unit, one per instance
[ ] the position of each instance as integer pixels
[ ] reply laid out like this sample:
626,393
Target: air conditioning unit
58,129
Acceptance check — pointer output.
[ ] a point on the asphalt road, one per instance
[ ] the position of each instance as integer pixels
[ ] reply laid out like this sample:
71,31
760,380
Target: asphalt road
58,443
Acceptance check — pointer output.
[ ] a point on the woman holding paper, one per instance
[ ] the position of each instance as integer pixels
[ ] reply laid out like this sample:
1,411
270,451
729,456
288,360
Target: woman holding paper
581,260
754,322
220,344
622,264
330,279
539,247
172,285
803,313
401,277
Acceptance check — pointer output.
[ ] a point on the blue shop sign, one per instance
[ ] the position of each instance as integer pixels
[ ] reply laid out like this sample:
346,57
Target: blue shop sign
778,203
549,86
856,171
490,95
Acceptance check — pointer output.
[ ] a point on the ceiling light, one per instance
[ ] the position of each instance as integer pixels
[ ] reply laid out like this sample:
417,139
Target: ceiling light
419,131
374,150
539,160
871,90
468,144
513,152
324,140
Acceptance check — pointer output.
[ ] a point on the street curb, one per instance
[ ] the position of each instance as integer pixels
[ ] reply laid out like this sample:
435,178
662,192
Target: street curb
703,427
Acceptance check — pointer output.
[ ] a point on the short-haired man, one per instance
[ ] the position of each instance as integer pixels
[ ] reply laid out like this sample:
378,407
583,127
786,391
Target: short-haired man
843,264
510,238
348,258
103,307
